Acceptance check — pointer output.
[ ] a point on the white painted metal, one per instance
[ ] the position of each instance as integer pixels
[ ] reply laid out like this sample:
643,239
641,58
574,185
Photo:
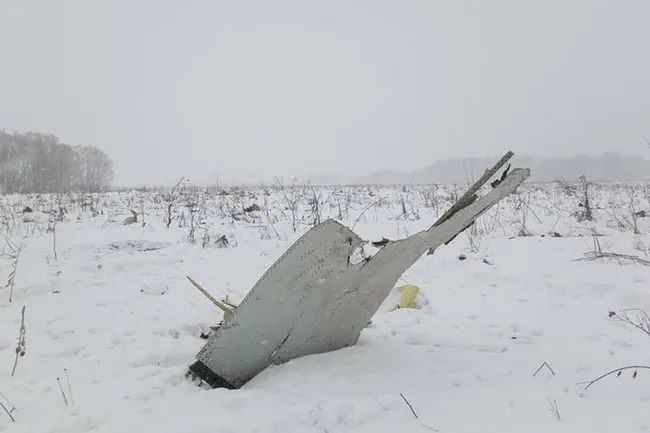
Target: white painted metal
245,343
312,300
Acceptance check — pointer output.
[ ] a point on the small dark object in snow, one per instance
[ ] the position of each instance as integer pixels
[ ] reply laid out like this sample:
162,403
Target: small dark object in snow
641,214
253,208
222,242
206,334
380,243
132,219
27,209
462,257
502,178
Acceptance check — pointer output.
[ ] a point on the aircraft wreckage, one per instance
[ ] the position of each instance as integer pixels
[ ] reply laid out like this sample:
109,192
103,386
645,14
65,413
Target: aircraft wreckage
313,299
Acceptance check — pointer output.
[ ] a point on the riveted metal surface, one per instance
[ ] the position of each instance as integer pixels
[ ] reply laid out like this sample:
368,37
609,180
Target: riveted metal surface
313,300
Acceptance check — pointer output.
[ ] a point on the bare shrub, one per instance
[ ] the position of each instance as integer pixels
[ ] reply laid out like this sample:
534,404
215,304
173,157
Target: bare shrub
14,255
21,344
290,195
638,319
170,201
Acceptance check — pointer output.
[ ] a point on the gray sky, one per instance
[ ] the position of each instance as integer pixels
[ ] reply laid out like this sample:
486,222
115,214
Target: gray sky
227,88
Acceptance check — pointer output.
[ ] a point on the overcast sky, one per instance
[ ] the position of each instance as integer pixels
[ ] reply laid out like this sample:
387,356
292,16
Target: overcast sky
211,88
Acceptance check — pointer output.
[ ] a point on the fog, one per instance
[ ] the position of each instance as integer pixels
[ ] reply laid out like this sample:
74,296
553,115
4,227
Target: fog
247,90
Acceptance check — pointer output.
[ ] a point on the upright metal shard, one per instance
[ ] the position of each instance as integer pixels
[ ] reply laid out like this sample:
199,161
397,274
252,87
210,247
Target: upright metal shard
470,194
313,300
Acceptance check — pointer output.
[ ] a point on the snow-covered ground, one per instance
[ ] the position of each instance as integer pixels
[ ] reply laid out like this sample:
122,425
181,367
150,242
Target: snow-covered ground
114,326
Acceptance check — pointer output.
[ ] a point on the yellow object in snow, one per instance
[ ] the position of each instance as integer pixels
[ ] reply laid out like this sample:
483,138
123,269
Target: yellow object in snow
227,309
409,293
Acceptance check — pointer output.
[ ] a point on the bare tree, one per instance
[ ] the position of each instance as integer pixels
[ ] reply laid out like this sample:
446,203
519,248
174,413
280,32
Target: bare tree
317,202
34,162
290,196
95,169
171,201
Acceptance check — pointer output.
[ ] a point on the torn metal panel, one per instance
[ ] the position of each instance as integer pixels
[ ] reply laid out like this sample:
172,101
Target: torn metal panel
313,300
470,195
247,341
336,316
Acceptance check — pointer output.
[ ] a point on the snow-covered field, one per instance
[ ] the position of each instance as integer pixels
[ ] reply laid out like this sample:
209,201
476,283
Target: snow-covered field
112,324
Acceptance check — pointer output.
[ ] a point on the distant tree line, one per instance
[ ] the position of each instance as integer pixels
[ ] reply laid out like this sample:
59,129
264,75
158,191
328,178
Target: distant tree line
40,163
609,166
